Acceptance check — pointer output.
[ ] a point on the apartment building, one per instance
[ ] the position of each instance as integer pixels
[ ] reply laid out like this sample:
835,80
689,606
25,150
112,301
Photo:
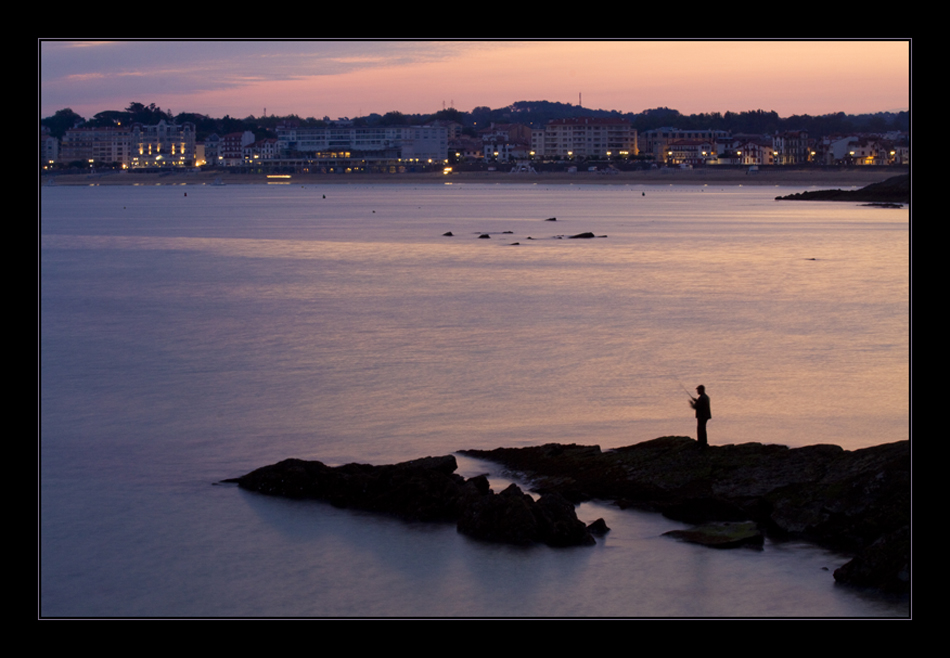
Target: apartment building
585,137
105,145
231,148
791,147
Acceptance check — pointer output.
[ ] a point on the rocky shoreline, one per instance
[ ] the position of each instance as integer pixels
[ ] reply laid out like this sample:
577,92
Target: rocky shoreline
856,502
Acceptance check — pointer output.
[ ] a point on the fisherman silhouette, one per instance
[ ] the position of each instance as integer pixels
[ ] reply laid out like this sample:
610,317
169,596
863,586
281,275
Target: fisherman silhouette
701,405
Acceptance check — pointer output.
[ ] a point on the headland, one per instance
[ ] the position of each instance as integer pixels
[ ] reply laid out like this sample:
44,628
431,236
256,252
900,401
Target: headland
894,191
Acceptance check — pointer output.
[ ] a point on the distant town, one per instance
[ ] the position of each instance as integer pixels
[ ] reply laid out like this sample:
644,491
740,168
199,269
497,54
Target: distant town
527,136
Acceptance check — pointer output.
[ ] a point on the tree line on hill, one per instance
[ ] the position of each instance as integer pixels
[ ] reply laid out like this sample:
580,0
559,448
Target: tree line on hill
532,113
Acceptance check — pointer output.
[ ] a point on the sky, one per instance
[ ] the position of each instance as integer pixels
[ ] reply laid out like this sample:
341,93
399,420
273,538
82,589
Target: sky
351,78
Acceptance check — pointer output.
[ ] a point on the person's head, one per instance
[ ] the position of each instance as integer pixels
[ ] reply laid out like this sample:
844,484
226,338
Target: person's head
700,389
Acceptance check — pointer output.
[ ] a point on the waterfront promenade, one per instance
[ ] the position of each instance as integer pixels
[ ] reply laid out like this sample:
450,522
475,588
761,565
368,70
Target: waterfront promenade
857,176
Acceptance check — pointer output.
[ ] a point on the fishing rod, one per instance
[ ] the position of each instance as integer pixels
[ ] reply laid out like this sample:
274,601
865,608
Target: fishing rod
683,387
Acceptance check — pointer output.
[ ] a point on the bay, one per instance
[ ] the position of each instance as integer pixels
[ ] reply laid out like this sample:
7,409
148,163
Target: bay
193,333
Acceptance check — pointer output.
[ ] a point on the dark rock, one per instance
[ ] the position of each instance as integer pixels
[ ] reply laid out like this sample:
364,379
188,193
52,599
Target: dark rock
598,527
883,565
513,517
505,517
427,490
480,484
558,524
894,190
484,236
448,234
423,489
845,500
852,501
696,508
585,236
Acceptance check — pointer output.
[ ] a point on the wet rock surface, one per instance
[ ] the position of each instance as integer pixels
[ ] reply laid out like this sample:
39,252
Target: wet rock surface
856,502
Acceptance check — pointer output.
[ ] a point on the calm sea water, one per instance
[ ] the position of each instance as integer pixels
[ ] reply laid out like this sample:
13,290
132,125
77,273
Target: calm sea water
194,333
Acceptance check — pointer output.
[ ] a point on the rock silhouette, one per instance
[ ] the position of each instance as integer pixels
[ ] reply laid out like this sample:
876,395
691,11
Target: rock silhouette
856,502
427,489
895,190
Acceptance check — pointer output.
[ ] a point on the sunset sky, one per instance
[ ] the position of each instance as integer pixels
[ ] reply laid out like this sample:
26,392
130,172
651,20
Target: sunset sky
355,78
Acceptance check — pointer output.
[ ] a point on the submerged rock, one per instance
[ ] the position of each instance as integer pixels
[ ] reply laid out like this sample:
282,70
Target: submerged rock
721,535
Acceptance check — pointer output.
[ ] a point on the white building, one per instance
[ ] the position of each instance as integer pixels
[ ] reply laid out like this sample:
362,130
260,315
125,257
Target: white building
163,145
49,148
406,143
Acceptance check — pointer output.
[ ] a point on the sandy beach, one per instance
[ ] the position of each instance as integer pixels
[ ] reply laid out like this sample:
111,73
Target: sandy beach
804,178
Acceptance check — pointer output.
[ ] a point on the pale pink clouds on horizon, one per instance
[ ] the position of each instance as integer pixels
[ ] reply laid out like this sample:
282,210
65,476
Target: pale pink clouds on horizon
358,78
